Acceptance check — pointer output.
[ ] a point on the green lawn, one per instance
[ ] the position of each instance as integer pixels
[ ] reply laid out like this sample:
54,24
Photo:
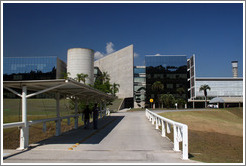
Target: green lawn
215,136
36,109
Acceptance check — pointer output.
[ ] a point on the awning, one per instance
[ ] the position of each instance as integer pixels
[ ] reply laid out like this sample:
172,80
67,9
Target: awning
68,87
227,100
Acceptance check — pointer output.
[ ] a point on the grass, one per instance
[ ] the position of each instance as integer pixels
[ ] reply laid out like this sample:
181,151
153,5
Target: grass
36,109
215,136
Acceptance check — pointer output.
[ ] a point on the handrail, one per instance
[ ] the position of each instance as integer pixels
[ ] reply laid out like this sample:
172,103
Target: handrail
32,122
180,131
14,124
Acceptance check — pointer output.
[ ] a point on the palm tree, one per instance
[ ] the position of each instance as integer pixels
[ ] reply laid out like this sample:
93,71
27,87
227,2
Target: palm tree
66,75
115,88
157,87
105,77
204,88
81,77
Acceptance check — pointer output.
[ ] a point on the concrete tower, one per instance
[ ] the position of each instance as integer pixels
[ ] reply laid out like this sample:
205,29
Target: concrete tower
81,60
235,68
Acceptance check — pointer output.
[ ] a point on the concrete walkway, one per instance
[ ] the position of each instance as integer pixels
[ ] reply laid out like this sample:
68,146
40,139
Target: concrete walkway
125,137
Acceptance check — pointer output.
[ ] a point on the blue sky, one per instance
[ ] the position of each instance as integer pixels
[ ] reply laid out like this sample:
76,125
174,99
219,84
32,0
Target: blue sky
213,32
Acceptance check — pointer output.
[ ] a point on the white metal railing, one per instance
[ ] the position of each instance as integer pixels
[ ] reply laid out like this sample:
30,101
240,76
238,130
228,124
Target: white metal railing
58,120
180,131
32,122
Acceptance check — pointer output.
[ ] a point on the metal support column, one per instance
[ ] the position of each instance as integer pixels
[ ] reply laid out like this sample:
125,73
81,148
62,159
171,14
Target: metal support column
100,109
58,122
76,113
24,132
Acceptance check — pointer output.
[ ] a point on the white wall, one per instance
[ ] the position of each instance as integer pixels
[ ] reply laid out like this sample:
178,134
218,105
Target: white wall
119,65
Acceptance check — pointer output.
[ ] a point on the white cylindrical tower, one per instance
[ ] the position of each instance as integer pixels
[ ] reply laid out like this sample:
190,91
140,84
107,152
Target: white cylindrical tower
81,60
235,68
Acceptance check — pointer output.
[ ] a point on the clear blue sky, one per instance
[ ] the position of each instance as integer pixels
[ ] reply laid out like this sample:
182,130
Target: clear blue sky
214,32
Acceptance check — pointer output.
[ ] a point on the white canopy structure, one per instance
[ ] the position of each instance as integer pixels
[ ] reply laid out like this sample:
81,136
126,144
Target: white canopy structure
67,87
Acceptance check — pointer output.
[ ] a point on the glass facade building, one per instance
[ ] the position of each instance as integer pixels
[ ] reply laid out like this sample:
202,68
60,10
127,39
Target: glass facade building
220,87
32,68
171,71
139,86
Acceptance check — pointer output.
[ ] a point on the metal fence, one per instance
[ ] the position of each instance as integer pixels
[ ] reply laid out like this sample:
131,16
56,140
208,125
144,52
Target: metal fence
180,131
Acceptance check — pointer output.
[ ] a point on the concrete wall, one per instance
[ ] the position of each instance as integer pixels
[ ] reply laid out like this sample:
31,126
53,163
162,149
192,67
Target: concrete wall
119,65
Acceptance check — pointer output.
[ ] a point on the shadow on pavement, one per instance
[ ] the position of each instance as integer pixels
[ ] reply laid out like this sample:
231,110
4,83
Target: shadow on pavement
86,136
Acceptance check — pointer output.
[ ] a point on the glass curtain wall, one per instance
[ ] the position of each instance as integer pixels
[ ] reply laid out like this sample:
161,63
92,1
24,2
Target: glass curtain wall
171,72
29,68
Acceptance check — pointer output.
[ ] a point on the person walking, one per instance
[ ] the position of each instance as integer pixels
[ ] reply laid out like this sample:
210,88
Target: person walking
95,116
87,117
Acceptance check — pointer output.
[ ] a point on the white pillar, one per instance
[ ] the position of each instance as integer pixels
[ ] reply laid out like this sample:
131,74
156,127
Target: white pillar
175,138
24,132
58,122
76,113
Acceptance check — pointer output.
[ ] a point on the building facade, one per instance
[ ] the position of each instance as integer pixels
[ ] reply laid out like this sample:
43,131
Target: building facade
171,71
225,87
32,68
139,86
119,65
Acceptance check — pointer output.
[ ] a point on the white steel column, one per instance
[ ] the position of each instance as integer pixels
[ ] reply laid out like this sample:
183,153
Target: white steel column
76,113
58,122
24,132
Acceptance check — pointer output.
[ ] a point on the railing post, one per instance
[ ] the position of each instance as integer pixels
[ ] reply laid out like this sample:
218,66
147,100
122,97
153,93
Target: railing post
185,142
24,132
44,127
153,120
175,138
76,113
163,129
58,121
156,123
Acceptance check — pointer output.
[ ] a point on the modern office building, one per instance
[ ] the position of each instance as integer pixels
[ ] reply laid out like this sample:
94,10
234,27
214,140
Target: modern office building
229,88
139,86
171,71
33,68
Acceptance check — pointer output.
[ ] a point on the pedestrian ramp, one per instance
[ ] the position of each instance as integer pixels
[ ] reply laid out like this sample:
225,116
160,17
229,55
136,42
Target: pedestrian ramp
125,137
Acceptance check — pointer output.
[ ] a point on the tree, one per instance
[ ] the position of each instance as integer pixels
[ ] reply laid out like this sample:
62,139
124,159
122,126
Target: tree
180,91
115,88
168,100
157,87
81,77
204,88
66,75
105,77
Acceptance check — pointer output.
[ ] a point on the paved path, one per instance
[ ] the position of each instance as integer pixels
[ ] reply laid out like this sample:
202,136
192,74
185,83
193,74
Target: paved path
126,137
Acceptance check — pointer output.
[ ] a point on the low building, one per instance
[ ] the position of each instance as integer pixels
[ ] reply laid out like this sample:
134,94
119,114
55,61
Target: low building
228,88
